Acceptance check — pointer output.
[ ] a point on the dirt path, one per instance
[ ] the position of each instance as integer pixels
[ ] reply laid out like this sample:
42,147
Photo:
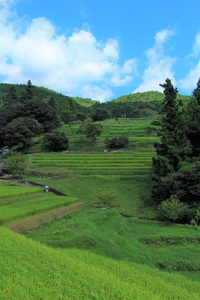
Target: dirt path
45,219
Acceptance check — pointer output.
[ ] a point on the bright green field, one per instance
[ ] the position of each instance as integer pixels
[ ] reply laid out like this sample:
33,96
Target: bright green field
30,270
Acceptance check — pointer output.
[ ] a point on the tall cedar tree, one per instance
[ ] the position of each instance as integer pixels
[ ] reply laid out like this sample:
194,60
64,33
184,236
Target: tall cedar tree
29,90
173,146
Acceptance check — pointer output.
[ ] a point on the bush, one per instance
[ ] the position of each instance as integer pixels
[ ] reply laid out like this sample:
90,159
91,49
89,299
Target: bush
117,142
106,199
171,209
56,141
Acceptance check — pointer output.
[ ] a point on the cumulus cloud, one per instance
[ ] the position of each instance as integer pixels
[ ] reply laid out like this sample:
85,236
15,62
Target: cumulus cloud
159,65
188,83
76,65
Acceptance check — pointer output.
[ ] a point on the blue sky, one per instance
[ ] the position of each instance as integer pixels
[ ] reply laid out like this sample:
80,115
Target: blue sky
100,49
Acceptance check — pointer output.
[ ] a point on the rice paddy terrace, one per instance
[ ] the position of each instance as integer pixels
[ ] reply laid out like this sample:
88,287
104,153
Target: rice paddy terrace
119,163
18,202
92,158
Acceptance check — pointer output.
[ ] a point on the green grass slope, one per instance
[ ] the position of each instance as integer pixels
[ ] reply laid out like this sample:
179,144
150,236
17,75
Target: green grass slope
30,270
166,246
146,97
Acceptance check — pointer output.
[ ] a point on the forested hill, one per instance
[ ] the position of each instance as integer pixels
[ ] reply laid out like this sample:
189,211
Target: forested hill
39,92
149,96
45,94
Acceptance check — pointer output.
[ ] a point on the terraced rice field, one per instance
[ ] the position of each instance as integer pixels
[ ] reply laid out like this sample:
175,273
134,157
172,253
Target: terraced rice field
22,201
109,163
137,130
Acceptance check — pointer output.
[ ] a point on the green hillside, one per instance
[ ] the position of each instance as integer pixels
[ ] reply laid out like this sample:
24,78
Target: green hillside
30,270
146,97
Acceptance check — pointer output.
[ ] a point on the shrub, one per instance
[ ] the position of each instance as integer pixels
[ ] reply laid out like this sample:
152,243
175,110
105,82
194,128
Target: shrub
106,199
56,141
171,209
117,142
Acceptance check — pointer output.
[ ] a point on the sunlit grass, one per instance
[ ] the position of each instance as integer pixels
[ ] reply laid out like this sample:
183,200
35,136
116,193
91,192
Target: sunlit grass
32,271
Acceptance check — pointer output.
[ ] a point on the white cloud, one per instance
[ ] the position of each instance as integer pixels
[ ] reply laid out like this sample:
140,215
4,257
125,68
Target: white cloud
160,66
196,46
162,36
188,83
74,65
96,93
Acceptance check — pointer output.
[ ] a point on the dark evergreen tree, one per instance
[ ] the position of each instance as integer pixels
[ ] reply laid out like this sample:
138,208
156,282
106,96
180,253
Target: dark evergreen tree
173,146
29,90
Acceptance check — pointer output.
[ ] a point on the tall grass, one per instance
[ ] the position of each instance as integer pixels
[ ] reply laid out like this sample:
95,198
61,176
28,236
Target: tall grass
147,242
32,271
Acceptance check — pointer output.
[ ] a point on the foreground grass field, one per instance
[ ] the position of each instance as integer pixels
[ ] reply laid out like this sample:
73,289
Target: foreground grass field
30,270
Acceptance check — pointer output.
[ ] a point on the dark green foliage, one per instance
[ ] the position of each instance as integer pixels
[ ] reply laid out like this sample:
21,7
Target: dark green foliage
173,144
42,112
172,240
193,121
31,118
81,116
11,98
99,114
52,102
29,90
176,168
129,109
56,141
91,129
178,266
173,147
20,131
117,142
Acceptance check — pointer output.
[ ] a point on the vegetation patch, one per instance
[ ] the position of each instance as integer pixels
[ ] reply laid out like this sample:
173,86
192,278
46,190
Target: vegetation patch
179,266
169,240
